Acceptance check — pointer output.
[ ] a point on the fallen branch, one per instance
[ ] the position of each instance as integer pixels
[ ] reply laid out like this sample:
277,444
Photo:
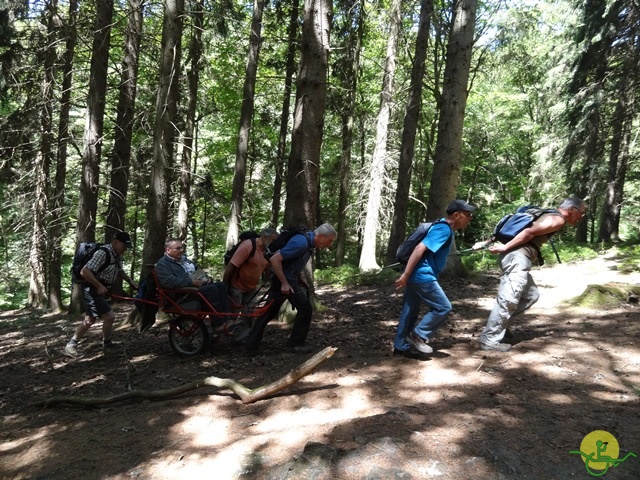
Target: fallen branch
247,395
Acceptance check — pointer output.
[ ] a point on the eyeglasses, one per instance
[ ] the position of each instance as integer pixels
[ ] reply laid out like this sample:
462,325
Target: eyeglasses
177,248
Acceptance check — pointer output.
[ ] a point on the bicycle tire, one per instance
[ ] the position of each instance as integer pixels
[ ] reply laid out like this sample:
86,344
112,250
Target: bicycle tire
188,336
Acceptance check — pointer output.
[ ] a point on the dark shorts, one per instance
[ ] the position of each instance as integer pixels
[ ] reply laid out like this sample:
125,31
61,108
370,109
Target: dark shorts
95,305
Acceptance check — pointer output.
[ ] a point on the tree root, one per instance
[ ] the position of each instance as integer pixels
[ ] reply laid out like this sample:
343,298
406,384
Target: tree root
245,394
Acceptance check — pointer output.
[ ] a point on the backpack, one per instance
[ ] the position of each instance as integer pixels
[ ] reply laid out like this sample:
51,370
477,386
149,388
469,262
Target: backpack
83,255
512,224
283,238
406,249
248,235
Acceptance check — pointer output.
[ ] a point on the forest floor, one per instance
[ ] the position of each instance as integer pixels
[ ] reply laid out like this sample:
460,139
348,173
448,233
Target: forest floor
363,414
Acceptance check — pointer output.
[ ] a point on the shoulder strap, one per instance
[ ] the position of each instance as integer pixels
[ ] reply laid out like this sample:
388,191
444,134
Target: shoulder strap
108,258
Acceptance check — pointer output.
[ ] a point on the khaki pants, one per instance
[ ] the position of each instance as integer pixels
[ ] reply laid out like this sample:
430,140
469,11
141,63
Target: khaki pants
516,294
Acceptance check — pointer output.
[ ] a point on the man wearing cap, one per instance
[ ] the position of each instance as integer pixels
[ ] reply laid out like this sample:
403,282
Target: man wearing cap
420,279
98,279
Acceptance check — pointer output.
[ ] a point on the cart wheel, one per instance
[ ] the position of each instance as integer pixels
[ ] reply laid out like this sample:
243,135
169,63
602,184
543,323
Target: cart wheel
188,335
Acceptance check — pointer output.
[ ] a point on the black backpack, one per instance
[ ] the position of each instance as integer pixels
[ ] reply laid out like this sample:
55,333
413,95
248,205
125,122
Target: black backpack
248,235
283,238
512,224
406,248
83,255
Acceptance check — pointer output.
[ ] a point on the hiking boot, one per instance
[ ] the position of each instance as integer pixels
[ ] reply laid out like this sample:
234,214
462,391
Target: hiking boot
418,343
71,350
412,354
499,347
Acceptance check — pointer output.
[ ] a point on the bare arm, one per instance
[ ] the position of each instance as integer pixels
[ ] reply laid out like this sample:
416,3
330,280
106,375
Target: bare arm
229,274
415,257
276,266
127,279
91,279
548,224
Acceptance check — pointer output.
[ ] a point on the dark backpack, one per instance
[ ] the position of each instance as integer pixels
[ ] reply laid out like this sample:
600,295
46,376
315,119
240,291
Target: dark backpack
406,249
83,255
248,235
512,224
283,238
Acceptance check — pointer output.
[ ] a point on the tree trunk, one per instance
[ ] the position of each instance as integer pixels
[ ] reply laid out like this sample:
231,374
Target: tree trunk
165,133
407,149
190,145
58,210
121,155
303,179
448,153
38,254
618,160
93,131
284,115
246,115
351,69
378,162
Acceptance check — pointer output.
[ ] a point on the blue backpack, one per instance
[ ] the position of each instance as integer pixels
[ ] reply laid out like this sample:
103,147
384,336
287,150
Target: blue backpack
406,249
512,224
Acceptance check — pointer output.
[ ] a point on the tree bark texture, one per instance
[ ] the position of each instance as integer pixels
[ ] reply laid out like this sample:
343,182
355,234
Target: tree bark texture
57,196
284,115
39,239
351,70
189,138
303,178
448,153
410,127
121,155
618,161
246,115
165,132
93,131
376,175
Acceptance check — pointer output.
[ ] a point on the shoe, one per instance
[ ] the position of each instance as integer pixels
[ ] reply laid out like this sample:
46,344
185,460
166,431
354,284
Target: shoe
418,343
408,354
71,350
300,348
500,347
111,347
508,334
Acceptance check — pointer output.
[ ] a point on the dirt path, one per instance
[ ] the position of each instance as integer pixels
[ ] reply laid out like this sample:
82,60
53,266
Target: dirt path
463,414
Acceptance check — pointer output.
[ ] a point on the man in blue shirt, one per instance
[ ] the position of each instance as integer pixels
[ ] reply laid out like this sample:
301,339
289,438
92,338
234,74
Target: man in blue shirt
420,279
287,265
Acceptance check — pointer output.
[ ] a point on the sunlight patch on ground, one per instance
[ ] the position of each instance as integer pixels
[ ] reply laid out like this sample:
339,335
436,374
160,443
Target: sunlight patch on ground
559,399
205,430
34,448
353,403
445,377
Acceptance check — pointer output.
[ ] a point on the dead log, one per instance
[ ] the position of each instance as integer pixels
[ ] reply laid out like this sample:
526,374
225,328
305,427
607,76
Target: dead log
245,394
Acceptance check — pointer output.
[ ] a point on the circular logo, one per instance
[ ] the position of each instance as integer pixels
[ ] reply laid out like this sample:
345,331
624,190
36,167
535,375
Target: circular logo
599,444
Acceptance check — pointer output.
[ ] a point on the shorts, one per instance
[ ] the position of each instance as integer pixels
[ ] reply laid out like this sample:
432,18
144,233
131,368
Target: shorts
95,305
